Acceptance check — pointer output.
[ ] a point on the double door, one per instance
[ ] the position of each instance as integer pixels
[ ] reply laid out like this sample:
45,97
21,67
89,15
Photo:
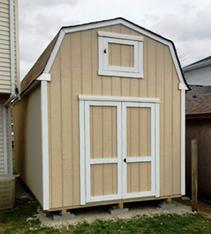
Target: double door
120,141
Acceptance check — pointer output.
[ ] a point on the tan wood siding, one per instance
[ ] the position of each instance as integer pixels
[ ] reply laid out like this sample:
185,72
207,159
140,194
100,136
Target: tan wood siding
74,72
28,148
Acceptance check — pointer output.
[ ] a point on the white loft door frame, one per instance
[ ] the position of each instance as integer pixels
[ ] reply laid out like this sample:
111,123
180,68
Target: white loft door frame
121,117
89,161
139,159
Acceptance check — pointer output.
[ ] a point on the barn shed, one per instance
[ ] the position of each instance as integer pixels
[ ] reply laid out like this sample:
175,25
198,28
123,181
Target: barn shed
101,118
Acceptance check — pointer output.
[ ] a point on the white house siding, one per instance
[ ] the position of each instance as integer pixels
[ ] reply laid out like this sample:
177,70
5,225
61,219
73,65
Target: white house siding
200,76
8,50
8,77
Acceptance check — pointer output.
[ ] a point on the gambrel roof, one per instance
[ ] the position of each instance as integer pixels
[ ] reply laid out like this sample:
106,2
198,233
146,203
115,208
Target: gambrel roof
45,61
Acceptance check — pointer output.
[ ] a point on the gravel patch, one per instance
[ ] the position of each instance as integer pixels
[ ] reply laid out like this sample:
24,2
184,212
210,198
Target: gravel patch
91,215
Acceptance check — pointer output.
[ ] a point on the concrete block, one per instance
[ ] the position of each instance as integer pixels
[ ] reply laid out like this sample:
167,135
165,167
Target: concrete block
184,198
166,205
64,217
118,211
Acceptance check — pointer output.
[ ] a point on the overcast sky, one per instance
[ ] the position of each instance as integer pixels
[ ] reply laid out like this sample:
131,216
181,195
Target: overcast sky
186,22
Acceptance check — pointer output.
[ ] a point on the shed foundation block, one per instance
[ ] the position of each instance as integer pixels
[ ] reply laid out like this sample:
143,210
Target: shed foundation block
167,205
118,209
63,217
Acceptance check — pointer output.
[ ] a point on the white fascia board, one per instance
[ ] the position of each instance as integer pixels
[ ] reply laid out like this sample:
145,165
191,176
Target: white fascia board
54,52
44,76
110,23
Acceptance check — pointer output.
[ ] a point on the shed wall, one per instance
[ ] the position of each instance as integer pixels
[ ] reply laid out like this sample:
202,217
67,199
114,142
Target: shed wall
74,72
28,148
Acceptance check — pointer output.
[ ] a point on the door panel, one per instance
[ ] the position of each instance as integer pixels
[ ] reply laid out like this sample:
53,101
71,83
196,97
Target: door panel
103,150
138,131
138,177
138,153
103,179
103,131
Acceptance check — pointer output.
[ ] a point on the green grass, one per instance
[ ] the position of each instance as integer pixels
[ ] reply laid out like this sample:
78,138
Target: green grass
17,221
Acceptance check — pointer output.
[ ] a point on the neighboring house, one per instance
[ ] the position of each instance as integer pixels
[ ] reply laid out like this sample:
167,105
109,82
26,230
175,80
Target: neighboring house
199,73
198,126
101,118
9,77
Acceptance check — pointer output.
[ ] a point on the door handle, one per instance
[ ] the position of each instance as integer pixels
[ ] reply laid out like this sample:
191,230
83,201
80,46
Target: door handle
125,160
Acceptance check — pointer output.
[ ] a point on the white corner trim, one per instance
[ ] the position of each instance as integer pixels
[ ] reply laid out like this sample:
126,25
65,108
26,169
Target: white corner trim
5,139
44,139
118,98
157,147
182,142
120,36
82,153
12,46
44,76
